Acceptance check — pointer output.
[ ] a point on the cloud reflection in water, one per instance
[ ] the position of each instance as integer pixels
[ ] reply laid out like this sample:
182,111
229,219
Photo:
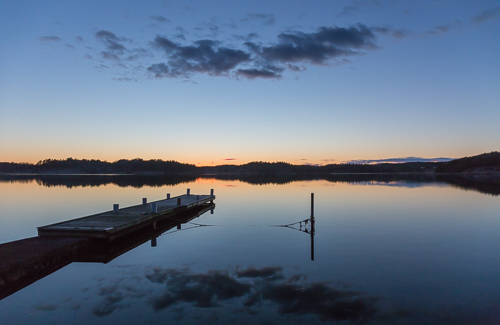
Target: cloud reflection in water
251,289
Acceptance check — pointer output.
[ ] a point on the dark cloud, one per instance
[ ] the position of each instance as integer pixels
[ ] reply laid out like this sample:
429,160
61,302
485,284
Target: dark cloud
229,159
203,56
398,160
325,45
266,19
321,46
79,39
258,73
112,42
160,19
49,38
489,14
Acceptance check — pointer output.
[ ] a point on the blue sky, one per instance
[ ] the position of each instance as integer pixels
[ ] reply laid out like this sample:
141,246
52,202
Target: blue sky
202,82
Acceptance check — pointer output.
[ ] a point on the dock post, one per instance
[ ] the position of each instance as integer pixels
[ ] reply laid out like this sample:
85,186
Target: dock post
154,207
116,208
178,201
188,191
168,196
212,192
144,200
179,226
153,242
313,230
212,211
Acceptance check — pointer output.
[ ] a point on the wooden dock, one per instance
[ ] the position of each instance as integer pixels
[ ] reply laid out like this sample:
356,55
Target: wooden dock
26,261
116,223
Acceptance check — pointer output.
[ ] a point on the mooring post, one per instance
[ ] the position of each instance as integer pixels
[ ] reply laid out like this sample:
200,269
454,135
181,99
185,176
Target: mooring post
168,196
312,227
116,208
212,192
154,207
188,191
179,226
153,242
212,211
312,205
178,201
144,200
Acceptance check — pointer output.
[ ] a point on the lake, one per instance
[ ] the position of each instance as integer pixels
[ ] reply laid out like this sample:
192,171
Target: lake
387,250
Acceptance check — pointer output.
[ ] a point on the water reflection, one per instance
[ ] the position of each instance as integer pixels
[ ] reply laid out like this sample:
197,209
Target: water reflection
255,287
29,260
486,185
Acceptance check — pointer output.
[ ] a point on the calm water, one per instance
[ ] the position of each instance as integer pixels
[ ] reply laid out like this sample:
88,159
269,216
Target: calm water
393,252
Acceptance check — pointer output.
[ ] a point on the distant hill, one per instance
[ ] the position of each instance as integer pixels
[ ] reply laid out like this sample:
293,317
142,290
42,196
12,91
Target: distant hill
487,163
84,166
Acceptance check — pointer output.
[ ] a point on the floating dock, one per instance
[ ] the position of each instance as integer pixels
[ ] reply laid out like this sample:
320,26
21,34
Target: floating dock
114,224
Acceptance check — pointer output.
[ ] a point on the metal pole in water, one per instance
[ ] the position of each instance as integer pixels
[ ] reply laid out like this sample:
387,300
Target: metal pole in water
144,200
212,192
168,196
116,207
154,207
312,227
153,242
188,191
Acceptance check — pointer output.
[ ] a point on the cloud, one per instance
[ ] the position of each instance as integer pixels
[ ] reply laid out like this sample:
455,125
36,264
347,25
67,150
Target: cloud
441,29
484,15
79,39
265,19
112,42
160,19
321,47
258,73
230,159
398,160
49,38
203,56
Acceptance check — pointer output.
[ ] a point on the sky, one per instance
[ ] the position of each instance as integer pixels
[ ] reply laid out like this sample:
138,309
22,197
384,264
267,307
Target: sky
229,82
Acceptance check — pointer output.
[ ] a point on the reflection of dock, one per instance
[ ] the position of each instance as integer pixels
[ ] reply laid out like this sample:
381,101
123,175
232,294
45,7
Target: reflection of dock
119,222
25,261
